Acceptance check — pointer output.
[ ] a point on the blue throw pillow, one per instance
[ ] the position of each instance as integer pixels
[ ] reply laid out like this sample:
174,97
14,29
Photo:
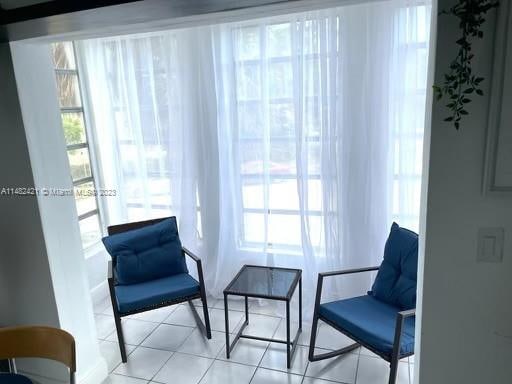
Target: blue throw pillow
147,253
395,283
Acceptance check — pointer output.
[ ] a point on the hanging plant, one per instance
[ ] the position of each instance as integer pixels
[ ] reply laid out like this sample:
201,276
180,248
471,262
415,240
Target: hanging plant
460,83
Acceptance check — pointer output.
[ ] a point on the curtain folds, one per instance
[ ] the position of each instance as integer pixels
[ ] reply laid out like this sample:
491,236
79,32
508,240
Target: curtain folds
291,141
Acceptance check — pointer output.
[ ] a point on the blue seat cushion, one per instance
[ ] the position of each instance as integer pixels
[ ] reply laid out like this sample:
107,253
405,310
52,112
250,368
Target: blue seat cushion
146,253
11,378
371,321
395,283
147,294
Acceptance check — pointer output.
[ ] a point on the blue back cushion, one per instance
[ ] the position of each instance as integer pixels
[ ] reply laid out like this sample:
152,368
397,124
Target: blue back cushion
395,283
146,253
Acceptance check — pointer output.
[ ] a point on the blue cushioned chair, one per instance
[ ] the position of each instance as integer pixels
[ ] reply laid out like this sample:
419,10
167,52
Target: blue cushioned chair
148,271
383,320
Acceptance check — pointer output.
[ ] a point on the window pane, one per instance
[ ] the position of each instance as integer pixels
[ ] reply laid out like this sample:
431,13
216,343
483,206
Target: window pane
90,231
248,43
312,115
252,192
84,198
314,157
282,157
63,56
279,40
284,229
74,128
282,120
69,93
250,120
315,230
280,80
311,39
314,195
248,82
254,227
80,163
251,157
283,194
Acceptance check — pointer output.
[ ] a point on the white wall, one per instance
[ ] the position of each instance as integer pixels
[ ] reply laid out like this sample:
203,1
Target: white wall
24,270
467,312
27,293
41,119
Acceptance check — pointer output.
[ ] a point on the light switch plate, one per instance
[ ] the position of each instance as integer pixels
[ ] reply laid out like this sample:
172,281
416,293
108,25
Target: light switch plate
490,245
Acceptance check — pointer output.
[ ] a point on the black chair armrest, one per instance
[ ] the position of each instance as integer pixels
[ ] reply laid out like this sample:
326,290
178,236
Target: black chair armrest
348,271
191,255
408,313
199,268
336,273
400,319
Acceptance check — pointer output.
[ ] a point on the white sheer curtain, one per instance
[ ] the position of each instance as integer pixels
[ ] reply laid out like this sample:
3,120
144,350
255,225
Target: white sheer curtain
291,141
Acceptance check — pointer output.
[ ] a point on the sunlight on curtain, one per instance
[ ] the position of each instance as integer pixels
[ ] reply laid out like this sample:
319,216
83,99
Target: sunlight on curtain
293,140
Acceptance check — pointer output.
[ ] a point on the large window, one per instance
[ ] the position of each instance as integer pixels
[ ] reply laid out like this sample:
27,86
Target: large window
267,135
280,70
282,134
77,144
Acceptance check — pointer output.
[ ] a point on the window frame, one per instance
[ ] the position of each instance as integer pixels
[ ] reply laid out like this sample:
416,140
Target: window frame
86,144
239,63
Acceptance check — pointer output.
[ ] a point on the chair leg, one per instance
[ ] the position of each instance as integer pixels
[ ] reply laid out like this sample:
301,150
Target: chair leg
120,337
206,317
327,355
117,318
205,329
394,370
312,341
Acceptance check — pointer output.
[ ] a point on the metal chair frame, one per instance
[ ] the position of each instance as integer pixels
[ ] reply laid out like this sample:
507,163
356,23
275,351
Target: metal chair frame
204,327
395,356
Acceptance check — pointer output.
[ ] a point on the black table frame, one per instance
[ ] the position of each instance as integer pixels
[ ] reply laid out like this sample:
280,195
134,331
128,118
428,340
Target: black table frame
291,345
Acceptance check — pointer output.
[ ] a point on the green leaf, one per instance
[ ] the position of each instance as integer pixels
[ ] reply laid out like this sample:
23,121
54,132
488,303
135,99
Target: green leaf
449,118
463,112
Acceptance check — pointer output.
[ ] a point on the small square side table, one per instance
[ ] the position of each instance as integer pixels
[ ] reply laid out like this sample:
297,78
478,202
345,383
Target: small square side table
265,283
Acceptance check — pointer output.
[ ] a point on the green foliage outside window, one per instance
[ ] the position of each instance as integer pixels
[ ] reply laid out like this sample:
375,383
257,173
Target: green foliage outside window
73,128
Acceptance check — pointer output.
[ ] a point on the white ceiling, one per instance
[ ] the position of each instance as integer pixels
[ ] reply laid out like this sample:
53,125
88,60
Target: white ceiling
11,4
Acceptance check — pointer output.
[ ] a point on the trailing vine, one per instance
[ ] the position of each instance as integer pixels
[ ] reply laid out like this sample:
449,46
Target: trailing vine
460,83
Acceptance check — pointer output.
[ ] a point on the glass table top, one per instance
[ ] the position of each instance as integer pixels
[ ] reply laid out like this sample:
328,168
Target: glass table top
271,282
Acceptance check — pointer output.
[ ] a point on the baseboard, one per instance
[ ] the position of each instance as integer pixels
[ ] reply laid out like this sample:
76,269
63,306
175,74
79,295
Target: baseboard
99,292
97,374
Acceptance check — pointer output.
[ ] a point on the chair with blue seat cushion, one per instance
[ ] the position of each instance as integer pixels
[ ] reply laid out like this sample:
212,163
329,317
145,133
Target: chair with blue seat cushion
148,271
383,320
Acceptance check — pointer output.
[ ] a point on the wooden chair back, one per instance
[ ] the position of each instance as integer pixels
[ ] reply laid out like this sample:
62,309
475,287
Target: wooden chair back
40,342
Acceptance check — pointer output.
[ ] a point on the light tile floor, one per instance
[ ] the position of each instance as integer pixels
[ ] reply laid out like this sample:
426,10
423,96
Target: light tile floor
165,346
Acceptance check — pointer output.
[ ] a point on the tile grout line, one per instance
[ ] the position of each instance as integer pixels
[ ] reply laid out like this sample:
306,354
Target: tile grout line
264,353
217,356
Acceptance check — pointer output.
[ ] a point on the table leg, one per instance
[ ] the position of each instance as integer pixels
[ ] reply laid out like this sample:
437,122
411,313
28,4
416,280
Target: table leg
288,346
226,318
300,303
246,309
